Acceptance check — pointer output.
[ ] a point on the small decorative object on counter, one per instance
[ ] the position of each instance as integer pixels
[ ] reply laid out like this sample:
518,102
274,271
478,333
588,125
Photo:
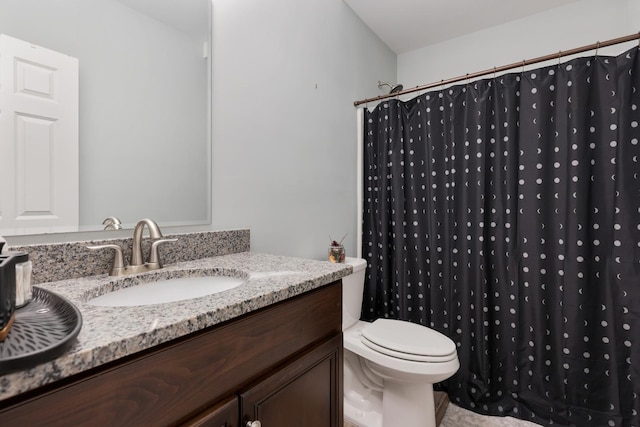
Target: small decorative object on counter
8,261
7,293
23,283
12,265
336,250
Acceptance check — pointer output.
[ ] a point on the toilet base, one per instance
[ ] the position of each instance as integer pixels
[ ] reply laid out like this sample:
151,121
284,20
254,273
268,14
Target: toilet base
408,405
354,416
402,405
362,404
361,414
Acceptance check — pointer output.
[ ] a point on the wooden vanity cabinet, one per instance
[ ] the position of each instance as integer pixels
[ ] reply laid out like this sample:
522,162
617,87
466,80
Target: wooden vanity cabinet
302,393
281,365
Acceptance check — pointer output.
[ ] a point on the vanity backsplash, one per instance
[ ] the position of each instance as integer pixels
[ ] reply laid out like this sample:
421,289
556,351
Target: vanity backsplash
60,261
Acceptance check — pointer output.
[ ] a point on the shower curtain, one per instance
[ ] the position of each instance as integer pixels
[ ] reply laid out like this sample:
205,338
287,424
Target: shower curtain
505,213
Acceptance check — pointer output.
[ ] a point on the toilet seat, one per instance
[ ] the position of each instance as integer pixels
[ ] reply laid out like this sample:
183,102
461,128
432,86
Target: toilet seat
408,341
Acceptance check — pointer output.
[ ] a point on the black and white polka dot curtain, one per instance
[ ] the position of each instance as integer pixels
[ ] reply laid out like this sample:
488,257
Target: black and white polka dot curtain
505,213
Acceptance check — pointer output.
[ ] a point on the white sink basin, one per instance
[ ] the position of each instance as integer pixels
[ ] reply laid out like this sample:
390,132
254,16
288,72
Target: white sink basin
166,290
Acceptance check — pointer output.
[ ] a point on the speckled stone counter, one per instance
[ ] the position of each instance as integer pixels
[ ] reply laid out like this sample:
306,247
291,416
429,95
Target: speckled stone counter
109,333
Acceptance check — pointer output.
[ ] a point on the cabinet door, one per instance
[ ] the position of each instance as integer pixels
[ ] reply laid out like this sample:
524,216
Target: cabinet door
304,393
222,415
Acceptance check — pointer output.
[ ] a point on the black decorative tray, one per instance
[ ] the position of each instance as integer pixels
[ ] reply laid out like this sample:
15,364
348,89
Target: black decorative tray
42,330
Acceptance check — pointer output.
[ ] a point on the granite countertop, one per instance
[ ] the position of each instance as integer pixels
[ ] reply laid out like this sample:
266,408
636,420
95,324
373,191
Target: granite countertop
109,333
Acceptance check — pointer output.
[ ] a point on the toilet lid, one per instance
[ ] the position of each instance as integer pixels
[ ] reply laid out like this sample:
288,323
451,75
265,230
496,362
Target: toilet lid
409,341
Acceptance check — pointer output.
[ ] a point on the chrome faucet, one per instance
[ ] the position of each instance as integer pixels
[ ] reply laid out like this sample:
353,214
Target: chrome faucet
112,223
136,250
137,264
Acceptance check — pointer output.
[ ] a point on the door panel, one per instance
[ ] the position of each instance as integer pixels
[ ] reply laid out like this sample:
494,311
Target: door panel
39,164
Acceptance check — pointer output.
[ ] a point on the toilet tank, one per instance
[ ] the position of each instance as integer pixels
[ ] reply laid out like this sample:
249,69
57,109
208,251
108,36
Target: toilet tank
352,291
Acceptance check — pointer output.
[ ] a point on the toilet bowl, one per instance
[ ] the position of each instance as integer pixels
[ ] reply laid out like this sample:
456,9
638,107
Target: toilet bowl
390,366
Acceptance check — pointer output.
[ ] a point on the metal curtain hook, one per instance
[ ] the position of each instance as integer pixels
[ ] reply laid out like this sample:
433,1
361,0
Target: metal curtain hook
597,47
559,56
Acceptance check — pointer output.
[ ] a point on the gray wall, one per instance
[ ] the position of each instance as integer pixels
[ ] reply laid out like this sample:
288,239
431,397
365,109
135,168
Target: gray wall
285,75
576,24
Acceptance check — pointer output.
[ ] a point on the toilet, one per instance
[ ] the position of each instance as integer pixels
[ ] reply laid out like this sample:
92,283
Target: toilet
390,366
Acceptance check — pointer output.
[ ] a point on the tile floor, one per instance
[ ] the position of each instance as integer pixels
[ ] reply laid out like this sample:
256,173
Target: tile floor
459,417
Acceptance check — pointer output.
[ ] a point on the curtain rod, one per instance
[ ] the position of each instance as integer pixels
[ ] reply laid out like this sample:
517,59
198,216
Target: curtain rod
494,70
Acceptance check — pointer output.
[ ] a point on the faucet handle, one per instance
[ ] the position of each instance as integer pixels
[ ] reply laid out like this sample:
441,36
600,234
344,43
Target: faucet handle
118,261
154,256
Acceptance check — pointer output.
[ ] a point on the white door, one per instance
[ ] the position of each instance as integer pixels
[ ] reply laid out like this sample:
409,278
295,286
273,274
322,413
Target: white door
39,184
